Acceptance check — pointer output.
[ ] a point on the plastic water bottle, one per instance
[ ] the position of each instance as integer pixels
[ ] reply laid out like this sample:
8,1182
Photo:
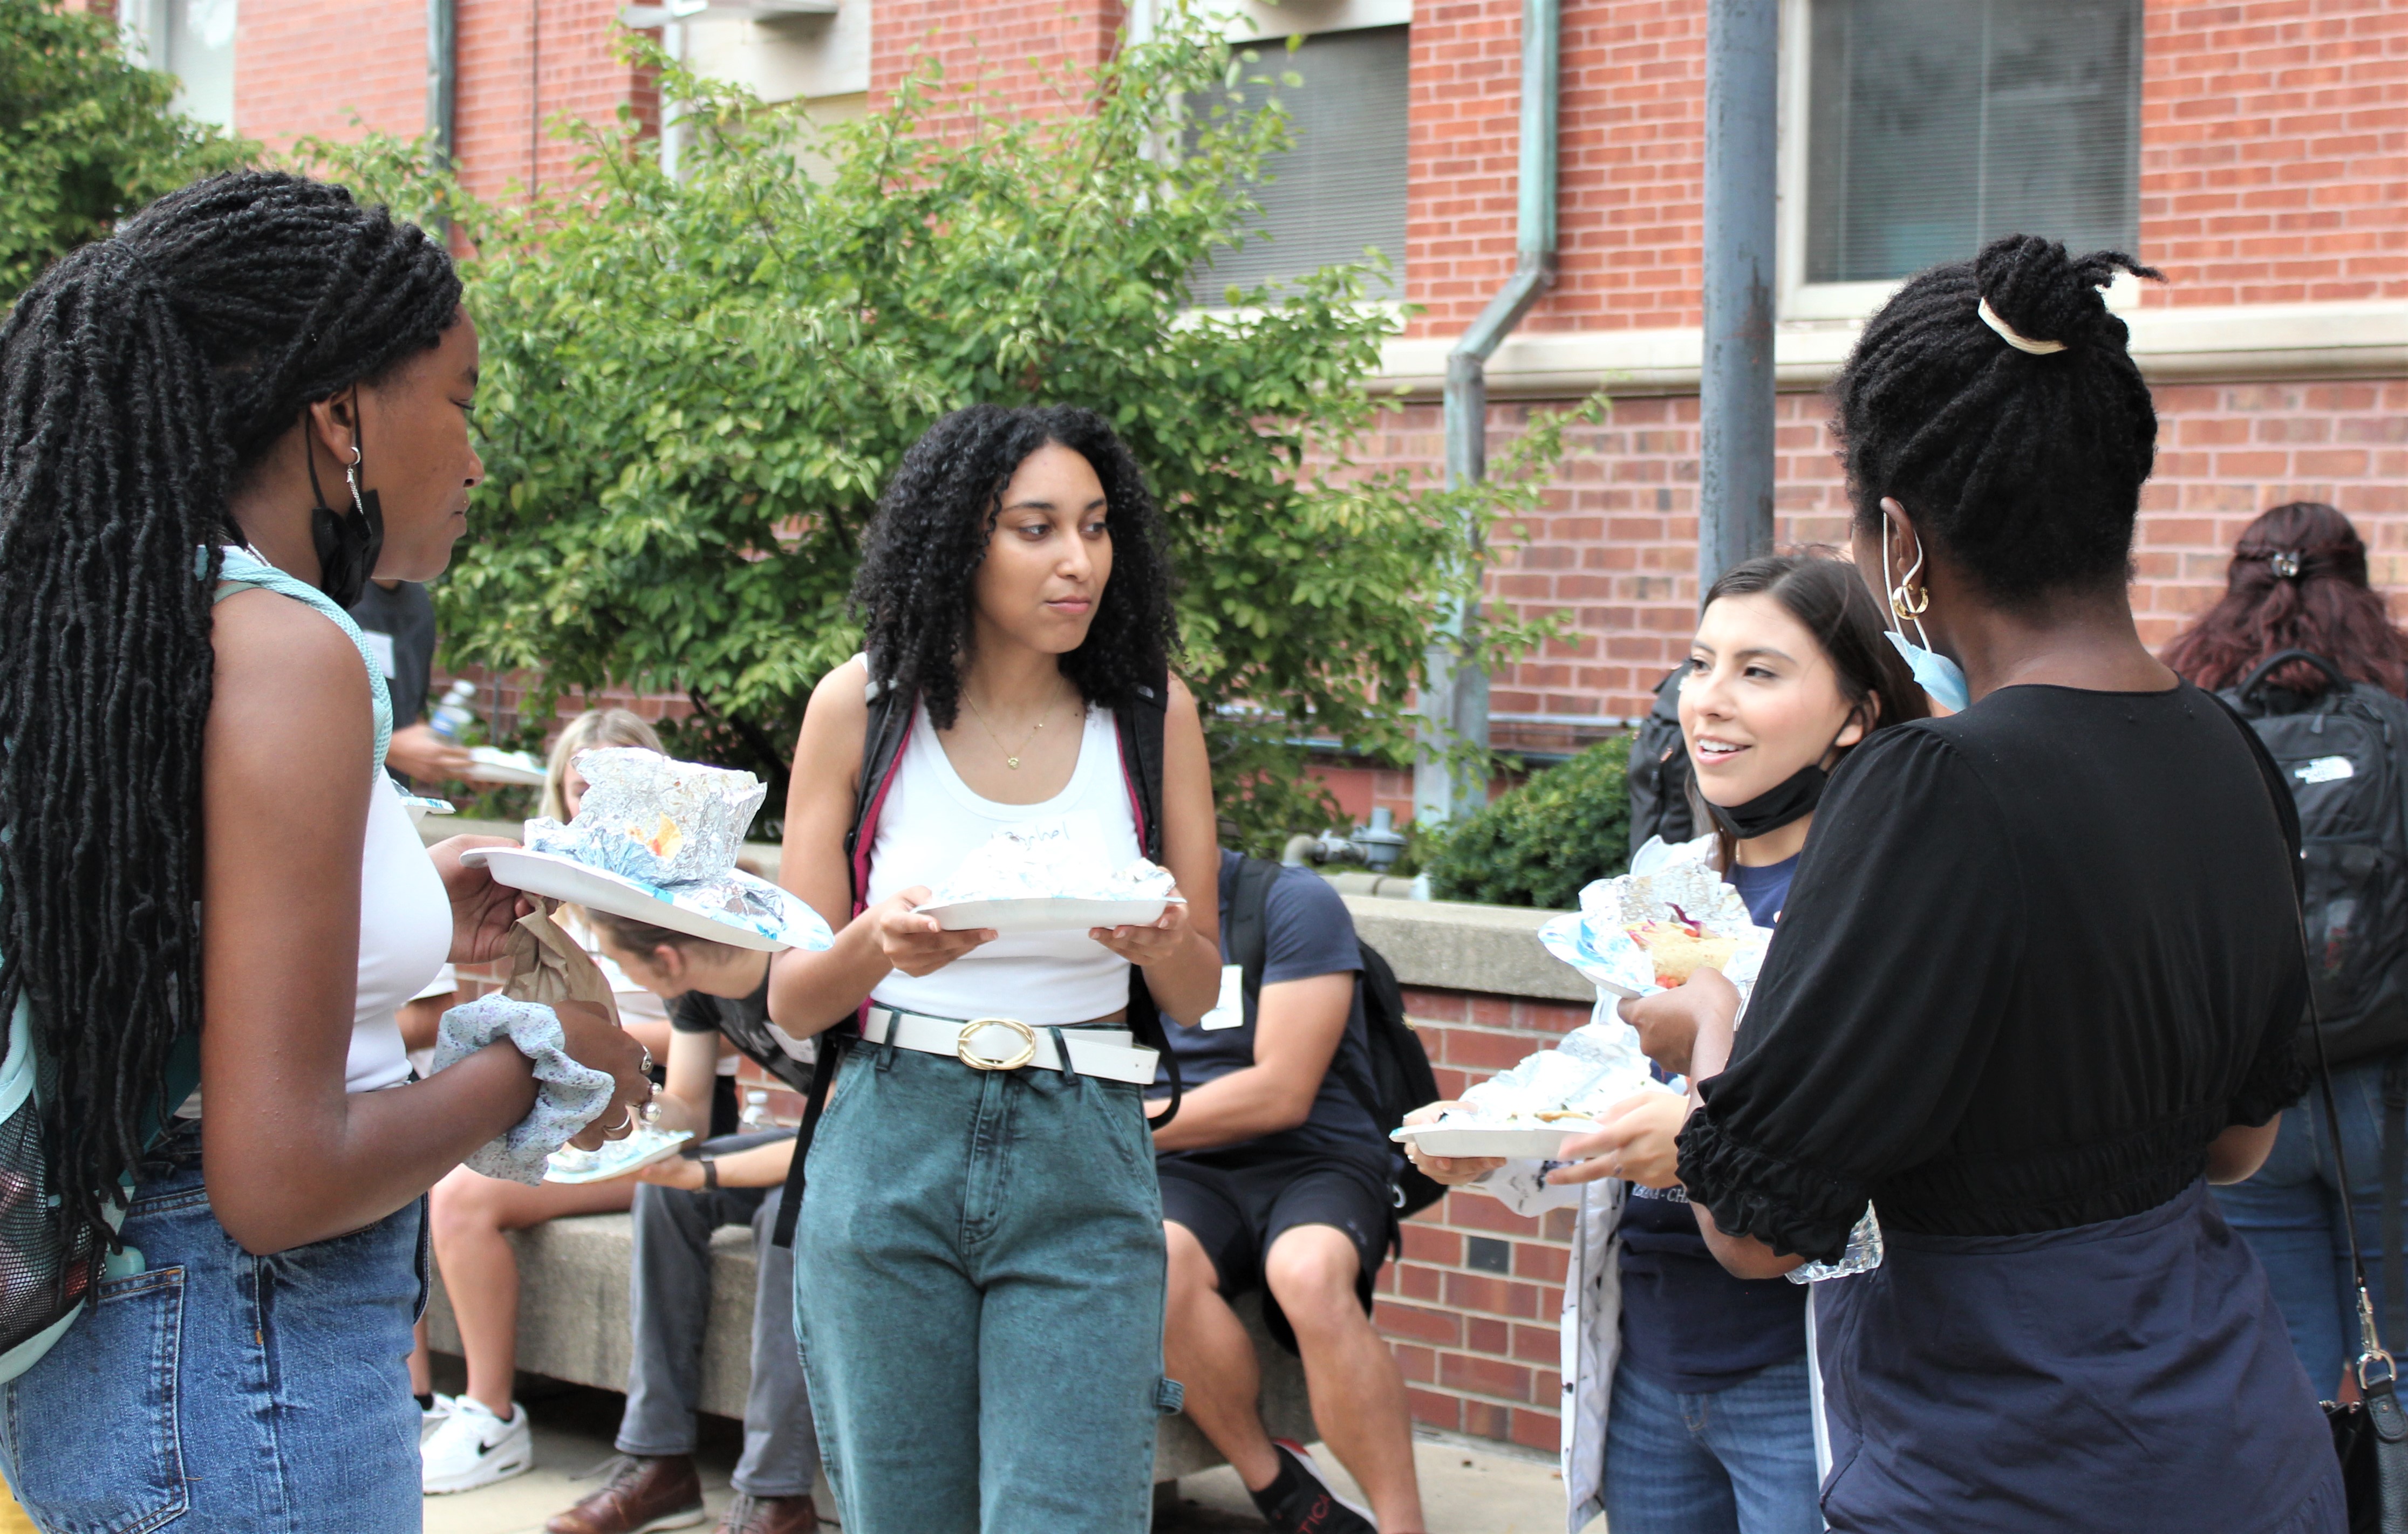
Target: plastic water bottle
453,716
756,1112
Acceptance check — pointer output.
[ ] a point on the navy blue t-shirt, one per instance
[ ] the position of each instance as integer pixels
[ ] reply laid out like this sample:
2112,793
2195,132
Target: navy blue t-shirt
1307,930
1687,1325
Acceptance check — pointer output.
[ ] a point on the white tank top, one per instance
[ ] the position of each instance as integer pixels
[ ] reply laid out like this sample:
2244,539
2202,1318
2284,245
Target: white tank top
931,821
405,936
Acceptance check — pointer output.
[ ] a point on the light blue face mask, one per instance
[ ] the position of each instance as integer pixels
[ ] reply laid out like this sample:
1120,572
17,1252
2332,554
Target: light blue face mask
1938,675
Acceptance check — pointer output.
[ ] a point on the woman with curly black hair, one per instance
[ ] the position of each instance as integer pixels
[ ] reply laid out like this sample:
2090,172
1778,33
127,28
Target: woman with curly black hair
206,877
978,1262
2037,986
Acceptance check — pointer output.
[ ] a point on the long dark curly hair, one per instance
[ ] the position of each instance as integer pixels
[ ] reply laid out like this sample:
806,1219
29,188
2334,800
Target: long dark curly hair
2296,582
2025,469
140,379
922,555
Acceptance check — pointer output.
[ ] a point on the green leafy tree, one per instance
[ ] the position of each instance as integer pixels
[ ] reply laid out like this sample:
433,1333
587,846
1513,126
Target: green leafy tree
86,137
1538,844
695,386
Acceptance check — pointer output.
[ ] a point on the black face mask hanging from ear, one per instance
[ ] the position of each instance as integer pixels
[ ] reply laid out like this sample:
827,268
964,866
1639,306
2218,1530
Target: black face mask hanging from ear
1787,801
348,547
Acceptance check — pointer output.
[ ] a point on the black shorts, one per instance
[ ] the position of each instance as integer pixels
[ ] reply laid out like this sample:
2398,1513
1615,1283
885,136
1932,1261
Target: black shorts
1236,1213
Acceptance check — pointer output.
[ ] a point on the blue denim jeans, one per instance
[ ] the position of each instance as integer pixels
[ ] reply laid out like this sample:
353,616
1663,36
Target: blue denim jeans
1735,1461
979,1280
224,1392
2290,1215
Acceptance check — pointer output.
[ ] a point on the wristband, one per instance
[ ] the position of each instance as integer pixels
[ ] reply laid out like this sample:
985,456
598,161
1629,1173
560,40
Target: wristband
710,1171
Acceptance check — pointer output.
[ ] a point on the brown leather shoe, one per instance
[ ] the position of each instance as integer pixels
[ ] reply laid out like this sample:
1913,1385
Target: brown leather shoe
637,1495
750,1514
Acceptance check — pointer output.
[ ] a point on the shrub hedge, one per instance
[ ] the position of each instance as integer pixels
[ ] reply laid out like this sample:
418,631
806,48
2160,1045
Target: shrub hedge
1538,844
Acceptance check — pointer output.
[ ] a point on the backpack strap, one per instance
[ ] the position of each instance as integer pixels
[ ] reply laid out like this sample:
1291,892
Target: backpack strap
2273,664
884,735
1140,728
244,571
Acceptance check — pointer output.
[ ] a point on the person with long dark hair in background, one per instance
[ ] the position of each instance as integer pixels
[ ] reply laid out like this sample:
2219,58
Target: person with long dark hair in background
199,848
2039,982
980,1261
2337,724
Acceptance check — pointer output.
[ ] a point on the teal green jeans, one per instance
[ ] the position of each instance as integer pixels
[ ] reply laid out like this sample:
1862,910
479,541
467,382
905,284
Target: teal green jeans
978,1291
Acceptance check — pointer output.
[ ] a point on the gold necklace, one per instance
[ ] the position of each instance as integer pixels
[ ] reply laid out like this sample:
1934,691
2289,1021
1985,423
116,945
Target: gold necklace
1011,757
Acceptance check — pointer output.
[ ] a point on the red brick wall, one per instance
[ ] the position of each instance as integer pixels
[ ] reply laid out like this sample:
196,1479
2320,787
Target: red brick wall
1029,54
303,68
1471,1307
1616,547
1630,214
2274,150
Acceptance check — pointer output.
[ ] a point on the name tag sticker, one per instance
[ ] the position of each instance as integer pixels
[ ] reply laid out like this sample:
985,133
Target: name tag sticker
1230,1010
2324,770
380,645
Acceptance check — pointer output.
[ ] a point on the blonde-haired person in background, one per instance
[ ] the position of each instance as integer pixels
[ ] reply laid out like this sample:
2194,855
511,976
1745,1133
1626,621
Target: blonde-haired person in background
482,1436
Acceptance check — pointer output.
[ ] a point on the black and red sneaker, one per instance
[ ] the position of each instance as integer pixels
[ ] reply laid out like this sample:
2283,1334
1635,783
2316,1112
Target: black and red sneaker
1301,1502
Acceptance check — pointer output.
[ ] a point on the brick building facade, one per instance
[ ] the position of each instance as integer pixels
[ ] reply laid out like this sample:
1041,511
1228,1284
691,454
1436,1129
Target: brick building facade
2268,158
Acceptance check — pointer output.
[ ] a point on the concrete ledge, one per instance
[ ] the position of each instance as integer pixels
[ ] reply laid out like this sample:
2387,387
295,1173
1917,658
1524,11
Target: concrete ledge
573,1326
1448,946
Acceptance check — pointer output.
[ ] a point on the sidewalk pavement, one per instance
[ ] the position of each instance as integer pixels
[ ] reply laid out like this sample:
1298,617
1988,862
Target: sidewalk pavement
1467,1488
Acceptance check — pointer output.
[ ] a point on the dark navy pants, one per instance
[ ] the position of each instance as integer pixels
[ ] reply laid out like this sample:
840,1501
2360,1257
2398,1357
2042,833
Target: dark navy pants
2125,1376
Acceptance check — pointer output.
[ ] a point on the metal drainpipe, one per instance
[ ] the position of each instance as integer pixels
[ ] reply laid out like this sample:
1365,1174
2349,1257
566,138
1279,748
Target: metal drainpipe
442,74
1454,705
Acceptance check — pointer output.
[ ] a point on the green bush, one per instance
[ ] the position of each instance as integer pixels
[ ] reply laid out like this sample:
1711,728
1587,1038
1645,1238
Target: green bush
1540,844
86,137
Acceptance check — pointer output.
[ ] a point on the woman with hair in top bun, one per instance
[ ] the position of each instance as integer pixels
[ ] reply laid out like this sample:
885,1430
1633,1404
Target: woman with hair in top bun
2297,582
2038,984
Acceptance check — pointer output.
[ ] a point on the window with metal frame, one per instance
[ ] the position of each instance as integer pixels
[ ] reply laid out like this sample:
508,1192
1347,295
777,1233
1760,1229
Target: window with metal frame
1934,126
194,41
1340,189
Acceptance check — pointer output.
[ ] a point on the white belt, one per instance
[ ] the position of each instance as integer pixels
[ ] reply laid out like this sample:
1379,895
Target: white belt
1007,1043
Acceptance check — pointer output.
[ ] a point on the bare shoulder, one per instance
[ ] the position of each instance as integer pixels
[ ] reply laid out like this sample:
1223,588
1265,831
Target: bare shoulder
827,752
841,696
1181,702
278,655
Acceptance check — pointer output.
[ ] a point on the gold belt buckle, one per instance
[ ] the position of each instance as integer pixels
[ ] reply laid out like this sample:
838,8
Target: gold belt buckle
1013,1062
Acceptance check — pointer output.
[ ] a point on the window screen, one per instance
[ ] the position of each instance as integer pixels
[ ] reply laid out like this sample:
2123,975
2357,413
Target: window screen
1342,186
1937,125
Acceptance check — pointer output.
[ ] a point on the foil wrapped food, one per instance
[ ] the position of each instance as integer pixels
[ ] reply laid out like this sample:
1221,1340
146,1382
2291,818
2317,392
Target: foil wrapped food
1636,930
1597,1066
652,819
1058,858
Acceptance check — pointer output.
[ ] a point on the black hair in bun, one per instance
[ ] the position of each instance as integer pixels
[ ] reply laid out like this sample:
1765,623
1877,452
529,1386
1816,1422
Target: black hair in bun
2023,465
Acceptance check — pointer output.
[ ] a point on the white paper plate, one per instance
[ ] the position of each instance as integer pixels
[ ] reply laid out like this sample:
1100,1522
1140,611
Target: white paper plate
1544,1144
420,807
616,1158
566,879
1040,914
490,765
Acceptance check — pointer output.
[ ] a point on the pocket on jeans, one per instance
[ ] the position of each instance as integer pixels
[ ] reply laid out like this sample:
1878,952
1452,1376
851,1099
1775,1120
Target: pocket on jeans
93,1428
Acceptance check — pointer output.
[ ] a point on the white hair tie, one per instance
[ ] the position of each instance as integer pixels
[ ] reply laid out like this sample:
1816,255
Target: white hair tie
2007,333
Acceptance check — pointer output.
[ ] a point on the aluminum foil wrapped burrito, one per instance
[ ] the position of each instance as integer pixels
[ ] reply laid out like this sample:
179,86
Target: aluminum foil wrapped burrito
1598,1065
1058,858
654,819
1640,932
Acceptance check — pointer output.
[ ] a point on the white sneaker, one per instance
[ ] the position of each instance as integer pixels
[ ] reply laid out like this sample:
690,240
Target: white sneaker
431,1417
472,1448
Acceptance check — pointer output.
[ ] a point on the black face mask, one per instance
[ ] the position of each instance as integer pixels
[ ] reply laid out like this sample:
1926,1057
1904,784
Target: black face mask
1790,799
1785,803
348,547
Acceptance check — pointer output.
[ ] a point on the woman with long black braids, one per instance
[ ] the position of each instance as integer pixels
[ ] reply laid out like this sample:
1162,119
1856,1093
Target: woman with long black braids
2039,982
214,428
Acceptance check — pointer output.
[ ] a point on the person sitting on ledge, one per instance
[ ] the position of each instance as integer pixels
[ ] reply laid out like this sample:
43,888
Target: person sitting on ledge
1275,1176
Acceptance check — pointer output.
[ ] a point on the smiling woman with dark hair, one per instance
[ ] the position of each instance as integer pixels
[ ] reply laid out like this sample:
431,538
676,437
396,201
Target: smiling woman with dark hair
979,1259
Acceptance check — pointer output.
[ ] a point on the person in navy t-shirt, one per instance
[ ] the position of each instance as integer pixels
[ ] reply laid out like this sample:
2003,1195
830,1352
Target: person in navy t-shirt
1692,1411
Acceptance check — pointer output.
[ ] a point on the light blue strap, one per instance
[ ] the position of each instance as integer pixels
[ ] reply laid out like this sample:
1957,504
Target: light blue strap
243,571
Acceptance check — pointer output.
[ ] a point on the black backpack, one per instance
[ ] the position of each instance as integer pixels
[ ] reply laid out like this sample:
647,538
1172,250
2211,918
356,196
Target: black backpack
1400,1066
2340,753
1658,775
1139,730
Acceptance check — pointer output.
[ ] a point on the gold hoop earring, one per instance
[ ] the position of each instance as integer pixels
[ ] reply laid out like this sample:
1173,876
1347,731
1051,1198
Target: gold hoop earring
1906,602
